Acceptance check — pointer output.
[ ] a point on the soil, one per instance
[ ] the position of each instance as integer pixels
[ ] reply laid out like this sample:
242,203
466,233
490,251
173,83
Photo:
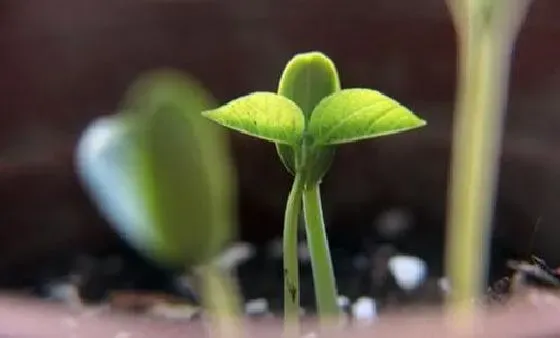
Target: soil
123,282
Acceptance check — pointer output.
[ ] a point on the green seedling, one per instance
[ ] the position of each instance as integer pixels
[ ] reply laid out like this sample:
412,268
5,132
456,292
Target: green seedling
486,34
163,177
306,119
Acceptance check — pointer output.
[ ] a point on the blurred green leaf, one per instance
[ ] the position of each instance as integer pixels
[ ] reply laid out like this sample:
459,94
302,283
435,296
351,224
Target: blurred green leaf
177,202
185,168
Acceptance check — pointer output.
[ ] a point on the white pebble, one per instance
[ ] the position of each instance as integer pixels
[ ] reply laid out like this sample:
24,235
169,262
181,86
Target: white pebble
409,271
303,252
275,250
177,312
235,255
257,306
343,301
63,292
364,309
444,285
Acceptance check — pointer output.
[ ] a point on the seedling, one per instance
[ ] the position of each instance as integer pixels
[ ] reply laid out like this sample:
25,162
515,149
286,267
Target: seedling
486,34
306,119
162,176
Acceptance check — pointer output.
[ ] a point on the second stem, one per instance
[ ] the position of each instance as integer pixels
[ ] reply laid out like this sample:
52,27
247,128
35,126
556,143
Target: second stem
323,275
290,244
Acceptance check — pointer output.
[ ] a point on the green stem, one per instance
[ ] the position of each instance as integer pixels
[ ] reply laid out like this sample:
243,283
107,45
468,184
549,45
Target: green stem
290,248
220,298
485,44
323,275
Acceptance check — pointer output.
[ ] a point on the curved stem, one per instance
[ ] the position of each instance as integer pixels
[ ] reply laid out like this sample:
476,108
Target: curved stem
291,263
323,275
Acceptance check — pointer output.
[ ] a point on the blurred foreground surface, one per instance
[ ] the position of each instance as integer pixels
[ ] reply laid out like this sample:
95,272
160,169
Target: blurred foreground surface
20,318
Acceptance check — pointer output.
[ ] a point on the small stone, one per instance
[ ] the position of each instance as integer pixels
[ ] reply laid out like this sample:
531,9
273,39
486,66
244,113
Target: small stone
173,311
409,271
63,292
303,252
444,285
343,301
235,255
364,309
257,306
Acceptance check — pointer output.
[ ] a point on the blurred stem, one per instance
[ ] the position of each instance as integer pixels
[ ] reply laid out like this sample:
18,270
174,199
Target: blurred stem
291,263
323,275
221,300
486,33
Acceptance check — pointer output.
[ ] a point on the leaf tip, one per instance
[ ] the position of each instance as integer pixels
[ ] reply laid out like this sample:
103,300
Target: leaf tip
319,59
312,56
417,121
309,60
210,114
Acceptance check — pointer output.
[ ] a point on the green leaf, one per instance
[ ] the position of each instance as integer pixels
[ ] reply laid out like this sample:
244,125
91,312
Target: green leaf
263,115
319,160
175,199
356,114
167,87
307,79
187,171
287,156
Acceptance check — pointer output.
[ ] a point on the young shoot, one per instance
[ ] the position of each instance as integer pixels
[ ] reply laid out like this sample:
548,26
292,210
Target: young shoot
163,177
308,116
486,31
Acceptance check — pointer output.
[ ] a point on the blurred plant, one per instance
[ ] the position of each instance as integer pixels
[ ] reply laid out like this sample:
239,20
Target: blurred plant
486,32
162,175
308,116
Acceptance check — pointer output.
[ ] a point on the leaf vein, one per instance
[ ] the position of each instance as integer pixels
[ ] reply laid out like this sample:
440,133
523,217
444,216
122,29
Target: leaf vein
341,122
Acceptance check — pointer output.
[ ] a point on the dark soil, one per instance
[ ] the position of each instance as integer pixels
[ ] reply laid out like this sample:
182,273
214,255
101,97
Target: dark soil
125,281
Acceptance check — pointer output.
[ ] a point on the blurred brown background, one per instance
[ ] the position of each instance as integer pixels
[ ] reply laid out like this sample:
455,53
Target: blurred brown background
64,62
